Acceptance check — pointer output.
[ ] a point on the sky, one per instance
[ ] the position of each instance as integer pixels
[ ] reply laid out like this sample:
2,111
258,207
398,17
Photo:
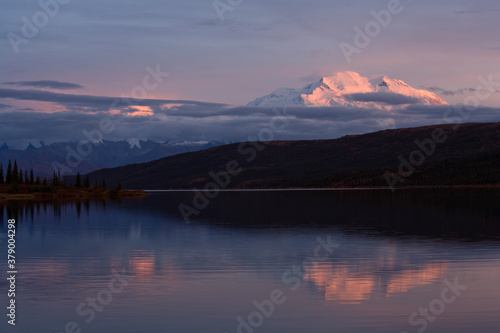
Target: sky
188,67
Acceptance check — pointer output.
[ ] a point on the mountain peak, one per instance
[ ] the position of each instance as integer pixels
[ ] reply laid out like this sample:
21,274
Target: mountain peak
350,89
30,147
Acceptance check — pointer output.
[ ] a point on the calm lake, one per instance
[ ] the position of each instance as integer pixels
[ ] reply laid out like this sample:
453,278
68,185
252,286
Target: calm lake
259,261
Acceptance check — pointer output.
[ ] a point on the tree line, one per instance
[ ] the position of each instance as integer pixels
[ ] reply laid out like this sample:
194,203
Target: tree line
14,176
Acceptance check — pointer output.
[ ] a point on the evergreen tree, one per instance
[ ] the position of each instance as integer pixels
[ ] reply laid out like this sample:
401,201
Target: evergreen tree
38,181
21,178
44,183
15,173
55,181
86,184
8,176
2,180
78,182
26,178
32,178
103,185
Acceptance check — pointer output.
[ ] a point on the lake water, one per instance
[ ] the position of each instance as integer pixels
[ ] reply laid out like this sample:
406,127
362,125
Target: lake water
259,261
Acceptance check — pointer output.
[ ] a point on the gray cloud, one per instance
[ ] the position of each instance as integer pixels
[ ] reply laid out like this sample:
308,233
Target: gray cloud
383,97
467,11
4,106
228,124
447,92
93,103
46,84
477,11
195,120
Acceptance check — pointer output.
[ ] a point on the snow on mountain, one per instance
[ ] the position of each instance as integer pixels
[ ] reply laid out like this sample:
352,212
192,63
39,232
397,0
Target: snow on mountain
350,89
104,154
187,143
133,142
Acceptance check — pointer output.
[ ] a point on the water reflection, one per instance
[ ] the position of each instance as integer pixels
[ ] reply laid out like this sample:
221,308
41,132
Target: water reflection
27,210
443,213
393,258
141,263
352,285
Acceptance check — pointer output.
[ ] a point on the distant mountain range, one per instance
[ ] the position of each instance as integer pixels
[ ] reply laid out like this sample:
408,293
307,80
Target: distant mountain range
468,155
105,154
346,89
350,89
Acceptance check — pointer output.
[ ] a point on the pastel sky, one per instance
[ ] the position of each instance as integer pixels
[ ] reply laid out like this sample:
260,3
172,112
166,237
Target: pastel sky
102,48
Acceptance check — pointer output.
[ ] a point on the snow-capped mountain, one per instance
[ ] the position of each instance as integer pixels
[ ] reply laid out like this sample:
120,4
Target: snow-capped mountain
105,154
350,89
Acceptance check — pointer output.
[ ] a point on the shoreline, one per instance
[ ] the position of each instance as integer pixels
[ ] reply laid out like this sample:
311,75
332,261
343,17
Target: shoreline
71,194
89,194
364,188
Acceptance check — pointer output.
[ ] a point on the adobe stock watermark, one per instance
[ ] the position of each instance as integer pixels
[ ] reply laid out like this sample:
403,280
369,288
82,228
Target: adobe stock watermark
428,314
84,148
221,180
31,27
292,277
88,309
223,6
427,147
372,29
